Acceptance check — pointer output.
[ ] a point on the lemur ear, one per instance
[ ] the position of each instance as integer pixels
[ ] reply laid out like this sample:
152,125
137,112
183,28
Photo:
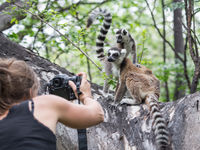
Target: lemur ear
123,51
124,31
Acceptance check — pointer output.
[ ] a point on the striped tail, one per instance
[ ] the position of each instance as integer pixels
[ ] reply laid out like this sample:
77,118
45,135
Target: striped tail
159,124
103,31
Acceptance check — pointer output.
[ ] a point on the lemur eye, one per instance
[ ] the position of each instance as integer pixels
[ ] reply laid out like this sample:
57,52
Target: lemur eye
119,37
115,55
108,54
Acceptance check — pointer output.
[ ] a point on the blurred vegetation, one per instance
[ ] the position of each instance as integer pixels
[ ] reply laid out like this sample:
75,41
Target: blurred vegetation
69,17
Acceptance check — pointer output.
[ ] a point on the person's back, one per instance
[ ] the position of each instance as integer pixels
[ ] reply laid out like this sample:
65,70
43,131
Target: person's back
24,131
28,121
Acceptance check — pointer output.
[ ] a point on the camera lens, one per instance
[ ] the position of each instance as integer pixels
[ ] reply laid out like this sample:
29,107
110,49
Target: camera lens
57,82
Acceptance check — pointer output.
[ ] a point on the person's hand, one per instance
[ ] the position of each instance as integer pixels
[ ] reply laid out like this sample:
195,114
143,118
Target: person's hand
85,87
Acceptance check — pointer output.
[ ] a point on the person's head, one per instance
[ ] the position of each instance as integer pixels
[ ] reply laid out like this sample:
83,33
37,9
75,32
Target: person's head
18,82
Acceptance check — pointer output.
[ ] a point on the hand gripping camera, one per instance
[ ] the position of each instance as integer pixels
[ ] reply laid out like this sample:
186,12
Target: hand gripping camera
59,86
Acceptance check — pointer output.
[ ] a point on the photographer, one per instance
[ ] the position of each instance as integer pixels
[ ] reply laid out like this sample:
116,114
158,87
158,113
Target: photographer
28,121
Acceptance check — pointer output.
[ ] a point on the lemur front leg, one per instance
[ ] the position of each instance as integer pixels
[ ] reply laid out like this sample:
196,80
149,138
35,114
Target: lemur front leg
106,87
117,86
108,72
121,90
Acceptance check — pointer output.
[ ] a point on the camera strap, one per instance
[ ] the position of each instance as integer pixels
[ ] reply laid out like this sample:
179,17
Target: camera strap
82,139
82,133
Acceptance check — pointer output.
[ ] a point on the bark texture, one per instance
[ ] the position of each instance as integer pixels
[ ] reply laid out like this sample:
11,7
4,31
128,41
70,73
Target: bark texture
125,127
179,48
9,11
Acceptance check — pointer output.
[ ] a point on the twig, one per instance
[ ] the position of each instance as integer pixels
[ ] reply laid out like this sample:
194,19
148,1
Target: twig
159,32
185,65
196,37
164,49
195,57
60,34
83,3
35,36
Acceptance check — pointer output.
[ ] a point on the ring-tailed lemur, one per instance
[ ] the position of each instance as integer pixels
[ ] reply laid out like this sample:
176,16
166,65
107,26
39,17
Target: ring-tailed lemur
142,86
100,43
107,66
125,41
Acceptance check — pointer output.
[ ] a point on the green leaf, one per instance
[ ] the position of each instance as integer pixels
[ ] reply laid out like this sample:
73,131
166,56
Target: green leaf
13,20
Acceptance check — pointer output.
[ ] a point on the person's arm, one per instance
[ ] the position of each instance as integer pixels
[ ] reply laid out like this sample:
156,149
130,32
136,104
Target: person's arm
80,116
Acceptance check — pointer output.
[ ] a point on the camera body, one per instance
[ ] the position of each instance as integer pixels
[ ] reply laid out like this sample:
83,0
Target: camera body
59,86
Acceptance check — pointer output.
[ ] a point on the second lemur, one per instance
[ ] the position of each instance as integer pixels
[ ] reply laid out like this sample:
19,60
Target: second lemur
142,86
125,41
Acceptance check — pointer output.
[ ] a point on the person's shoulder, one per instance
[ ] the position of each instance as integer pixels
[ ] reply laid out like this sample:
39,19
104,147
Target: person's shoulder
52,100
48,98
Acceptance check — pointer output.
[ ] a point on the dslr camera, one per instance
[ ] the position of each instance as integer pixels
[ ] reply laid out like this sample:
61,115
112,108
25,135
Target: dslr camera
59,86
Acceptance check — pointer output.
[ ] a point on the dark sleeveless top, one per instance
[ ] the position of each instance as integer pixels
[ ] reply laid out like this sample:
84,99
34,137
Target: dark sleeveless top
21,131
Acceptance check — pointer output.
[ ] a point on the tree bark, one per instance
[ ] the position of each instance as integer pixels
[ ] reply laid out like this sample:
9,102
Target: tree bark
7,12
164,50
193,48
125,127
179,48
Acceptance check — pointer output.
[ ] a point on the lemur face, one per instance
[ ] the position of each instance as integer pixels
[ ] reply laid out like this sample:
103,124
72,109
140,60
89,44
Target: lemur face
116,54
121,35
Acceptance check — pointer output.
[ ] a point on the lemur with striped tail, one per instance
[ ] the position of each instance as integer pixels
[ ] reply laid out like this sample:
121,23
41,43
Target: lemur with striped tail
107,66
142,86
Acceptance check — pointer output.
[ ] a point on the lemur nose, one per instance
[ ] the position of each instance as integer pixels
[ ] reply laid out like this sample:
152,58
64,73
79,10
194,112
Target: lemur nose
119,41
110,59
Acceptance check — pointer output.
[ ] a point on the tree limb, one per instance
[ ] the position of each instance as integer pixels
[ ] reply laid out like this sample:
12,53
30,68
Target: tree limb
161,35
60,34
8,12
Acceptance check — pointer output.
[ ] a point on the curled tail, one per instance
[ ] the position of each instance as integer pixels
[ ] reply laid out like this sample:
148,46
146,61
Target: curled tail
104,29
159,124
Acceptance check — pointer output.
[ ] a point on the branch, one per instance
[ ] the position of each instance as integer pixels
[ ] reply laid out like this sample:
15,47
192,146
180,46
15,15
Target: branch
83,3
195,36
195,57
60,35
189,20
164,48
185,65
159,32
40,28
7,13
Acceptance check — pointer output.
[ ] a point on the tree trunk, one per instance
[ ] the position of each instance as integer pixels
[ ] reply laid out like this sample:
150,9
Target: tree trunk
124,128
179,48
164,51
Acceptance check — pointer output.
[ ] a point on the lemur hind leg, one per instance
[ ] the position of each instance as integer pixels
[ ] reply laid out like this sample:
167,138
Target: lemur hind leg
134,91
121,90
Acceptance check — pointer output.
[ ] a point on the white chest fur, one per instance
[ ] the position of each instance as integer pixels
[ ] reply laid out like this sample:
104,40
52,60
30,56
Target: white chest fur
116,70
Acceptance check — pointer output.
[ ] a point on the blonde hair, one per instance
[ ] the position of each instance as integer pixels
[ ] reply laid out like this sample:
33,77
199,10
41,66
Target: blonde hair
16,81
